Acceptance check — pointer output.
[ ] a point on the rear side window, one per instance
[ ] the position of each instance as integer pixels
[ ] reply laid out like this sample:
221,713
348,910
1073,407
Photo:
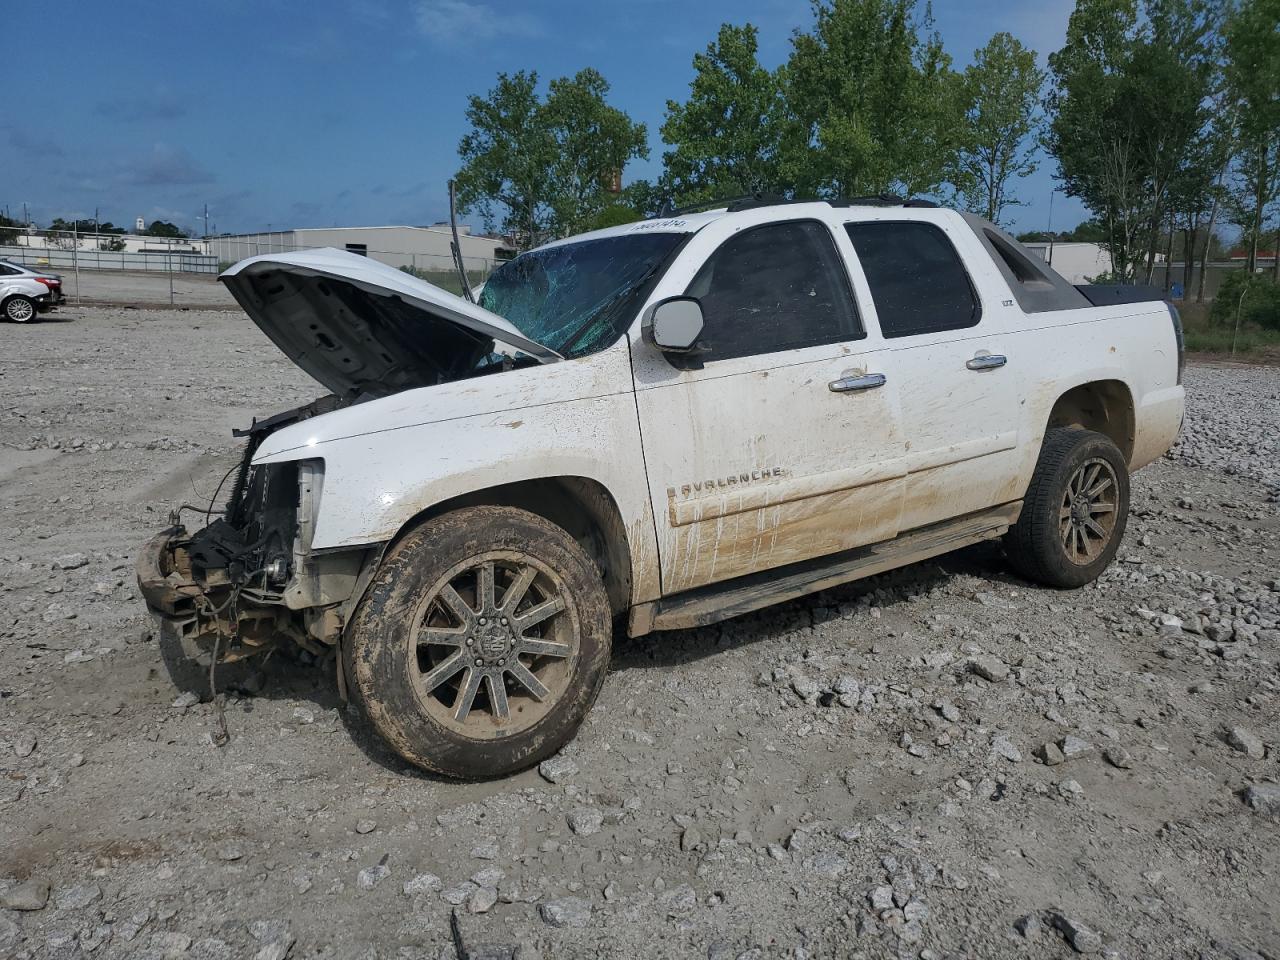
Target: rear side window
917,280
775,287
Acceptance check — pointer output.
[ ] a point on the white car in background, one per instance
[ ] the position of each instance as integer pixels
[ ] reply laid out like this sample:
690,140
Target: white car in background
24,291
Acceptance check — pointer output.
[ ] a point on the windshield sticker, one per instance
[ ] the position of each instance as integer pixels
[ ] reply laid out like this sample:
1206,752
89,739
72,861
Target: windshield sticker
659,225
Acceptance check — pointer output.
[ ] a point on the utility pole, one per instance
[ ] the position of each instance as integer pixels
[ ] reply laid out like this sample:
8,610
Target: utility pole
75,255
1050,229
206,221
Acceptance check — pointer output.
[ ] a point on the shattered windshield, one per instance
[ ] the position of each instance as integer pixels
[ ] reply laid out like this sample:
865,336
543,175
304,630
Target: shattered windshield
579,297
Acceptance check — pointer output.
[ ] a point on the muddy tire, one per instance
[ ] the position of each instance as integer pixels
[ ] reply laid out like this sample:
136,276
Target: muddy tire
481,643
18,308
1075,510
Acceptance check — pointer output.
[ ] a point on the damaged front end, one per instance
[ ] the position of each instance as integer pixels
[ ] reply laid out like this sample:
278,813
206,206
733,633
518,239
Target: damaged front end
249,580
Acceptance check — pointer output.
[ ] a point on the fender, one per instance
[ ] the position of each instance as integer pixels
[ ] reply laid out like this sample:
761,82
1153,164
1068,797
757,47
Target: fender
387,461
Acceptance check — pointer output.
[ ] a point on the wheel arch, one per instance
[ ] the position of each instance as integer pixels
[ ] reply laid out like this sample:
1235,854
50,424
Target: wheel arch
579,505
1105,406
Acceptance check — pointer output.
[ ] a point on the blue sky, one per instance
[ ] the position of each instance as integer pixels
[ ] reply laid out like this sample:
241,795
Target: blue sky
290,114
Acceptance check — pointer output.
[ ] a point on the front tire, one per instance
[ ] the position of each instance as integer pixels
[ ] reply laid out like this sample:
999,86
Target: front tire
481,642
19,309
1075,510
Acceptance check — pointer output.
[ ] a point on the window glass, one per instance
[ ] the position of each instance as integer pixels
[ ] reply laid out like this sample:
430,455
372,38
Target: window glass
917,280
577,298
1023,270
774,287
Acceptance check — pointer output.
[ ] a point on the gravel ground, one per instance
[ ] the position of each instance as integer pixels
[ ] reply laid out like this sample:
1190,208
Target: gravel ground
940,762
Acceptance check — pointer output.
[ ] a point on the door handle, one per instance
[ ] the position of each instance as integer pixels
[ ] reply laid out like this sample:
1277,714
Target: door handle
864,381
987,361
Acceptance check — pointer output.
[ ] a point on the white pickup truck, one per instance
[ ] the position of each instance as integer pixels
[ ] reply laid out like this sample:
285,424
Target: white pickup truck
662,424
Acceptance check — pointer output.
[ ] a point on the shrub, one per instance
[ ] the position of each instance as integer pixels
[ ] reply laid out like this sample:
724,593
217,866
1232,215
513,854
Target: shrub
1261,303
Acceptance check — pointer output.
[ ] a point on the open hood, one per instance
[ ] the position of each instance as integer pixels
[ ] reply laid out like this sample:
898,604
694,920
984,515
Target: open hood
361,327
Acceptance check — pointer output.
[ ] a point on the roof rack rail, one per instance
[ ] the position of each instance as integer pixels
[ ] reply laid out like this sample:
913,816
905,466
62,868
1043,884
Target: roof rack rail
878,200
720,202
752,201
881,200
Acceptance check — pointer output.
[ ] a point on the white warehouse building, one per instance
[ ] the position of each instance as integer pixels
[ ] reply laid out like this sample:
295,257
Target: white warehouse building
1077,262
419,248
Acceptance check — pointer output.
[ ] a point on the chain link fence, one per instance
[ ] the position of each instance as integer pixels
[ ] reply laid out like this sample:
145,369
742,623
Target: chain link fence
434,267
103,268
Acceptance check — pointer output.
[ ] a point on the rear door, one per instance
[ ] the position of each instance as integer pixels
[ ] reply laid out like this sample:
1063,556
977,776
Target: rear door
785,444
948,353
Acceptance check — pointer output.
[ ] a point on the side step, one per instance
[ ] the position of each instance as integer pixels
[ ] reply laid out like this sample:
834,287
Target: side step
711,604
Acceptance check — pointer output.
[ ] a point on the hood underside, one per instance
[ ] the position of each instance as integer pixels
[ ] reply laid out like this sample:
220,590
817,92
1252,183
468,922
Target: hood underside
361,327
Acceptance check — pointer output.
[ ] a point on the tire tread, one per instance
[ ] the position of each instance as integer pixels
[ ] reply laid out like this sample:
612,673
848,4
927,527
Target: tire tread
1027,542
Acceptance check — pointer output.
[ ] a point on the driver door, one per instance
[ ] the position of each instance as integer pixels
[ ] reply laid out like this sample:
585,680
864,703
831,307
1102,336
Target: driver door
785,444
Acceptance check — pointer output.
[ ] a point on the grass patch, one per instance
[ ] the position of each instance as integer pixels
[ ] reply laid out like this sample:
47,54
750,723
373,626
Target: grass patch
1204,337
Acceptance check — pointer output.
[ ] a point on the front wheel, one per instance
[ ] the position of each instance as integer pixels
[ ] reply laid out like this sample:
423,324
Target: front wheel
481,643
19,309
1075,510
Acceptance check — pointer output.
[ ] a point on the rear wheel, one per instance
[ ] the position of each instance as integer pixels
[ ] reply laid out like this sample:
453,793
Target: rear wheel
19,309
482,642
1075,510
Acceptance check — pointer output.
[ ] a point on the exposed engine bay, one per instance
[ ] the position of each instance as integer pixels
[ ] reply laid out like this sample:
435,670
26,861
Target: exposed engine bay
366,331
247,580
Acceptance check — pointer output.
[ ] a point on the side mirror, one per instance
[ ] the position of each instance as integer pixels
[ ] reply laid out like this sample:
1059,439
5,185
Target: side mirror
675,325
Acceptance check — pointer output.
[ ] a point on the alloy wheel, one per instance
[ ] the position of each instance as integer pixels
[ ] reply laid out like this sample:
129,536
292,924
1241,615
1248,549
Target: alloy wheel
19,310
493,645
1087,517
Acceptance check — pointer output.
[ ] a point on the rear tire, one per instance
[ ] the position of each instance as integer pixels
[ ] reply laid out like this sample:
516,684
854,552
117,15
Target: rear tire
1074,512
19,309
481,643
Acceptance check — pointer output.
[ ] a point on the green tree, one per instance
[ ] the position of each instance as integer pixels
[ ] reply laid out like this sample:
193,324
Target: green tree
1175,68
85,226
614,215
873,102
593,144
538,168
507,157
9,230
1086,231
1002,95
1130,94
1252,74
163,228
646,198
725,137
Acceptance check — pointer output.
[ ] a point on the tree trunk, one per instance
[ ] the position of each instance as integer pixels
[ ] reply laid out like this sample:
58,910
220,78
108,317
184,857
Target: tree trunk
1275,259
1153,239
1189,254
1208,242
1255,230
1111,247
1168,260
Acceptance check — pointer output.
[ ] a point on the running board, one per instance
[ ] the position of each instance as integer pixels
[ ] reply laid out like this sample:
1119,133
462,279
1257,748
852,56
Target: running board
711,604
